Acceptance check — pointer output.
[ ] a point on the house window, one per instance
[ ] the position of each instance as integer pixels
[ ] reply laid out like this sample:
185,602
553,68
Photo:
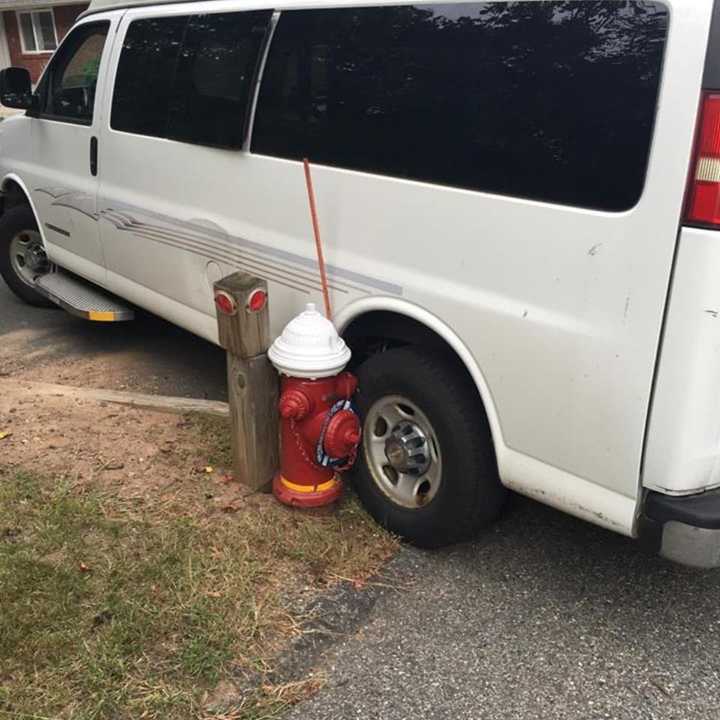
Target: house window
37,31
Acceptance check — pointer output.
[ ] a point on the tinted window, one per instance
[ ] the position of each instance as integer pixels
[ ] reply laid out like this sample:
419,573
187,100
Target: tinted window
189,78
547,100
68,88
145,75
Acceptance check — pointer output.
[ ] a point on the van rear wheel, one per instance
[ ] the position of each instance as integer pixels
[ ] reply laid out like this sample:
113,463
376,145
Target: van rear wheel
426,470
22,254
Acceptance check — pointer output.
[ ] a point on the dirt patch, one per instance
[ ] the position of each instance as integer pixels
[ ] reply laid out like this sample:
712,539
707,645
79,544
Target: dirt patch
103,444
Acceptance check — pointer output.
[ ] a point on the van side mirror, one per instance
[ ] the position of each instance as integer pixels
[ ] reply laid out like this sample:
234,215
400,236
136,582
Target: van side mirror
15,88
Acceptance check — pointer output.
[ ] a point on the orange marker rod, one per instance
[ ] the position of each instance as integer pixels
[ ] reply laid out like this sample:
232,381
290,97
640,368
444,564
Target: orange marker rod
318,242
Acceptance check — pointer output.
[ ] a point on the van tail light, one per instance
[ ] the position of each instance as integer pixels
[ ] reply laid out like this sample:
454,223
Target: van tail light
703,205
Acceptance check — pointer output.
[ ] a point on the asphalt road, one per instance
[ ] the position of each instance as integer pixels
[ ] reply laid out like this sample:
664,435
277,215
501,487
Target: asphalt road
145,355
544,616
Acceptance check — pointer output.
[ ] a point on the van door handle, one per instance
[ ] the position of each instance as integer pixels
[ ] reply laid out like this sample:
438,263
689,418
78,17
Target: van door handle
93,156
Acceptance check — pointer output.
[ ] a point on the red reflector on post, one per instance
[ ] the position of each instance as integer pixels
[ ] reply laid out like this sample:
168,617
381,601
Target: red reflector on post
703,206
256,300
225,303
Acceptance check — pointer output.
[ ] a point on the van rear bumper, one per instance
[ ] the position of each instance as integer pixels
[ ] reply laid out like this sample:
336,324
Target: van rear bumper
684,529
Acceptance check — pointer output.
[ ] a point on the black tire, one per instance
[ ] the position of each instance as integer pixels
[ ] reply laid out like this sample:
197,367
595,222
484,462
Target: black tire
14,221
469,494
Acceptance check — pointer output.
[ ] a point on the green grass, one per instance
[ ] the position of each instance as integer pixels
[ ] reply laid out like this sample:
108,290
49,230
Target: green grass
107,611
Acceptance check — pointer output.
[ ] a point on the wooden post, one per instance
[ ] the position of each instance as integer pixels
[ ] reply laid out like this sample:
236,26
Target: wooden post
253,384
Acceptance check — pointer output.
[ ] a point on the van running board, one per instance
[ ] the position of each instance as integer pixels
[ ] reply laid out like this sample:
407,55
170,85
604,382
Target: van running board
82,299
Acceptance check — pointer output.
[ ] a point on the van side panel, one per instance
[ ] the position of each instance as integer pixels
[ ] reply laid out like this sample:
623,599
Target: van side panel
682,453
60,181
683,445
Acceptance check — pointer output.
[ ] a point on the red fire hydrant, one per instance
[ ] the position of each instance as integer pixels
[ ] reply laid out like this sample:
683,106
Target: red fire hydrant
320,431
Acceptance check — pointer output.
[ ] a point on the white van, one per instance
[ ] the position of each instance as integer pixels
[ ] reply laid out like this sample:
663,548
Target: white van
519,201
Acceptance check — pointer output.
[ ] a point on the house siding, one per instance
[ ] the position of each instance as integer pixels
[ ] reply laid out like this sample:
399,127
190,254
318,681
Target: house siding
65,16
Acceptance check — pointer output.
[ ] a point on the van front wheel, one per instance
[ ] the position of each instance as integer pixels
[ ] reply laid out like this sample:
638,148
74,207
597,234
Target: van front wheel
426,470
22,254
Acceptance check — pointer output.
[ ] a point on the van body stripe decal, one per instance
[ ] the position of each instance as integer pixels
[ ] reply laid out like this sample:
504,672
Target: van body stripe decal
290,269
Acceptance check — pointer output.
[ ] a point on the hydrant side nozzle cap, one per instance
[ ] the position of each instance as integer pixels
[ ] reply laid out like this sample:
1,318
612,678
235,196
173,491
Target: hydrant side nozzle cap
342,434
295,404
309,347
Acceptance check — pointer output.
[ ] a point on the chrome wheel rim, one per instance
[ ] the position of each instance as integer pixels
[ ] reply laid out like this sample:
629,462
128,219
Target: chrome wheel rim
402,451
27,256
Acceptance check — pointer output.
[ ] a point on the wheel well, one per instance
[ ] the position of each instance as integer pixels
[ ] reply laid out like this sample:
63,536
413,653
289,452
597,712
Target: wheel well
12,196
381,330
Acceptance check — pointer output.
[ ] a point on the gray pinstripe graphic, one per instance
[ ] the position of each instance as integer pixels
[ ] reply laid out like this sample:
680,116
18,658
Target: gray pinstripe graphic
289,269
230,251
292,258
201,249
81,202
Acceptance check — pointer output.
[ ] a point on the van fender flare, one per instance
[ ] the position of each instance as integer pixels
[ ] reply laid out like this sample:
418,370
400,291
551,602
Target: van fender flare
12,177
354,310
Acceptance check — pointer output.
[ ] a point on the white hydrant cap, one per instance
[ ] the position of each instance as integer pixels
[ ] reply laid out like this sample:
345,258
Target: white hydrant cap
309,347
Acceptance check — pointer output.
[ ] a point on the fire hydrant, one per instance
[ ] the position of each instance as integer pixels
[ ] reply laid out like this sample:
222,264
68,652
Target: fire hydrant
319,430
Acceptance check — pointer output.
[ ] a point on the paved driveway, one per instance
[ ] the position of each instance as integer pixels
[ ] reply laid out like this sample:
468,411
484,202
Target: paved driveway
146,355
542,617
545,618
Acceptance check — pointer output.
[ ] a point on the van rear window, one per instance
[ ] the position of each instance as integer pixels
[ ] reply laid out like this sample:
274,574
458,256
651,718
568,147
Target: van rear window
553,101
189,77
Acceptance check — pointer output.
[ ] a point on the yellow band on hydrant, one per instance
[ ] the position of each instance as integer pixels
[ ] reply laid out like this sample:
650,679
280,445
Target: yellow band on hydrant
308,488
